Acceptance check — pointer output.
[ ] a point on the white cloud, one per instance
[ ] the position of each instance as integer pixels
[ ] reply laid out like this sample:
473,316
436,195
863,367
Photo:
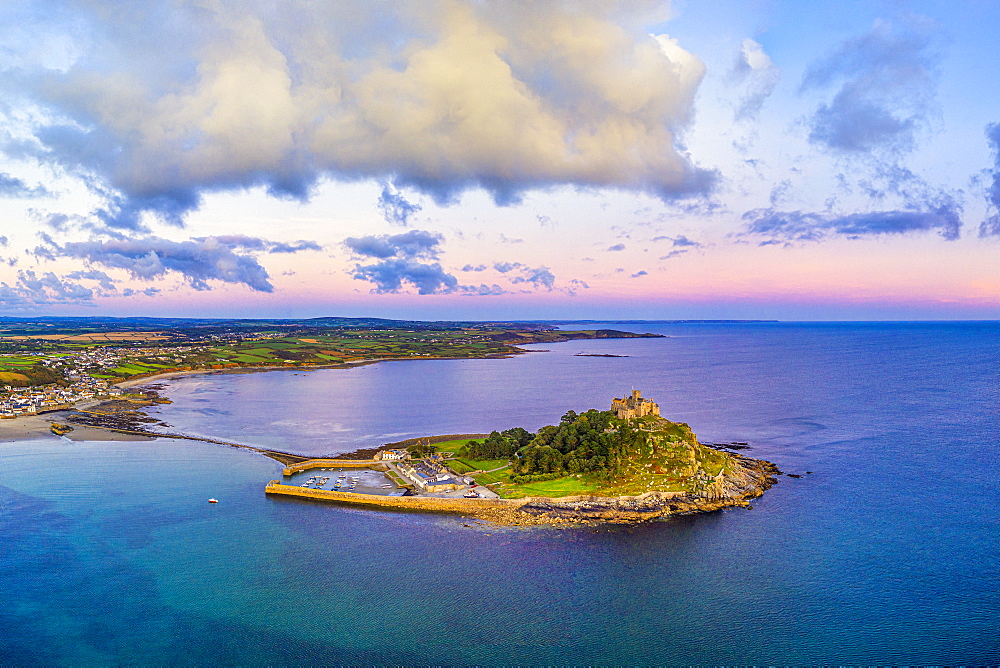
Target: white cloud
163,102
757,75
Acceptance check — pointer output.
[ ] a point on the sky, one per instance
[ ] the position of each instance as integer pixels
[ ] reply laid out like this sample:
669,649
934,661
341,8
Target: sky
479,160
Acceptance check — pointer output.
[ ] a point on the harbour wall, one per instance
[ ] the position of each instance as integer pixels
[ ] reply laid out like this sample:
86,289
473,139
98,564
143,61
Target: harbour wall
463,505
331,463
426,503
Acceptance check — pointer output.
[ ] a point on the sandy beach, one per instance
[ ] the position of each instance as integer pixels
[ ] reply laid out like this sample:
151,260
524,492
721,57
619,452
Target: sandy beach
34,427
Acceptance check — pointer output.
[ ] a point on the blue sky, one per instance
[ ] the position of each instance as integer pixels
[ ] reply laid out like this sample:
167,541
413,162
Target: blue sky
501,160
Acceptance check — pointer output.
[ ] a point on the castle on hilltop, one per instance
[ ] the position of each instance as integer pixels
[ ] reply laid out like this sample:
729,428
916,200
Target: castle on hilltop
634,406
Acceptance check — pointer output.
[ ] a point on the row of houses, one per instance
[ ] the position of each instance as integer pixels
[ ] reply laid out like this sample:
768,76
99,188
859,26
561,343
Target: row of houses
17,401
430,476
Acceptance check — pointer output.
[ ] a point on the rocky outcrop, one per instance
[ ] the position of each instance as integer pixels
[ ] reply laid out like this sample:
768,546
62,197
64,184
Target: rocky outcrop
747,479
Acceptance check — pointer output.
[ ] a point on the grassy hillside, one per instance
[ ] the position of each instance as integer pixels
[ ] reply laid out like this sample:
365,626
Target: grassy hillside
630,457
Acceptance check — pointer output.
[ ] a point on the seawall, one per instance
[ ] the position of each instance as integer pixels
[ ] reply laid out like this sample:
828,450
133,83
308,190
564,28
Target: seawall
331,463
426,503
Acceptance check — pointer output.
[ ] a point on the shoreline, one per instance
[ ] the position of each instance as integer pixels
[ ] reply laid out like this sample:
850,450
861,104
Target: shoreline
32,427
750,480
125,384
257,369
37,427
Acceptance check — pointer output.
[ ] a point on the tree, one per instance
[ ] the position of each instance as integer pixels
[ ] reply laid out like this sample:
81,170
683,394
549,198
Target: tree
585,442
498,445
420,450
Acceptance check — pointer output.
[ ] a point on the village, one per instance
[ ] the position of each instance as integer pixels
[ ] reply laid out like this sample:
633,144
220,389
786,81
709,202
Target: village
77,385
18,401
82,373
431,475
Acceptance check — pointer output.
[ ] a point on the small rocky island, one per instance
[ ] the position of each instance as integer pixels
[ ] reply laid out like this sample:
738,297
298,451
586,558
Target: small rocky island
626,464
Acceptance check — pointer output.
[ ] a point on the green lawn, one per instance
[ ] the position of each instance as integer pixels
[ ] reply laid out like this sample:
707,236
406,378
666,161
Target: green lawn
490,478
458,466
567,486
452,447
482,464
396,479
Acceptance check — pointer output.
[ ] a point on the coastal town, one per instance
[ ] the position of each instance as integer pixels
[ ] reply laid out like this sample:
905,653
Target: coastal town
47,368
18,401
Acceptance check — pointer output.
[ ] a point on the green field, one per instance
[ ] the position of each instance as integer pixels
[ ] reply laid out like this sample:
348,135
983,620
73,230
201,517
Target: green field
496,476
479,464
458,466
452,448
19,361
567,486
130,370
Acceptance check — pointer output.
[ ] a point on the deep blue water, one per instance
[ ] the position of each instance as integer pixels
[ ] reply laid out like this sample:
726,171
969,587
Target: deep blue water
886,553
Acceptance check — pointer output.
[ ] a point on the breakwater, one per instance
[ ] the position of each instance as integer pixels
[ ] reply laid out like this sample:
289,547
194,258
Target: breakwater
292,469
425,503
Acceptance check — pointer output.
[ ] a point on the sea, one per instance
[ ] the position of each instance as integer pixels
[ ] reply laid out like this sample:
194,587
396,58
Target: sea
886,549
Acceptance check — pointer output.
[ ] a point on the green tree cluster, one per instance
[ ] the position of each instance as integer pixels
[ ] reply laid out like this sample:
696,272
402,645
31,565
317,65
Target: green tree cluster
420,450
38,374
588,442
499,444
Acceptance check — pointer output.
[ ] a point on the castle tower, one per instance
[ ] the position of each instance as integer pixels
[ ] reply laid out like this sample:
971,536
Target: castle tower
633,406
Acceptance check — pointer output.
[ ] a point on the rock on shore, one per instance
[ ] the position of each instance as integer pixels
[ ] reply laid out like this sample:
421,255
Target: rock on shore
749,479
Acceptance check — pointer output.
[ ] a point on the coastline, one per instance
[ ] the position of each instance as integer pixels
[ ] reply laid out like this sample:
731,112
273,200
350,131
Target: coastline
136,382
749,480
28,427
257,369
36,427
33,427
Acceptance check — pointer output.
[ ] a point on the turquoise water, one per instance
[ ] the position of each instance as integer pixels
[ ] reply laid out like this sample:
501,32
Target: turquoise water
886,553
